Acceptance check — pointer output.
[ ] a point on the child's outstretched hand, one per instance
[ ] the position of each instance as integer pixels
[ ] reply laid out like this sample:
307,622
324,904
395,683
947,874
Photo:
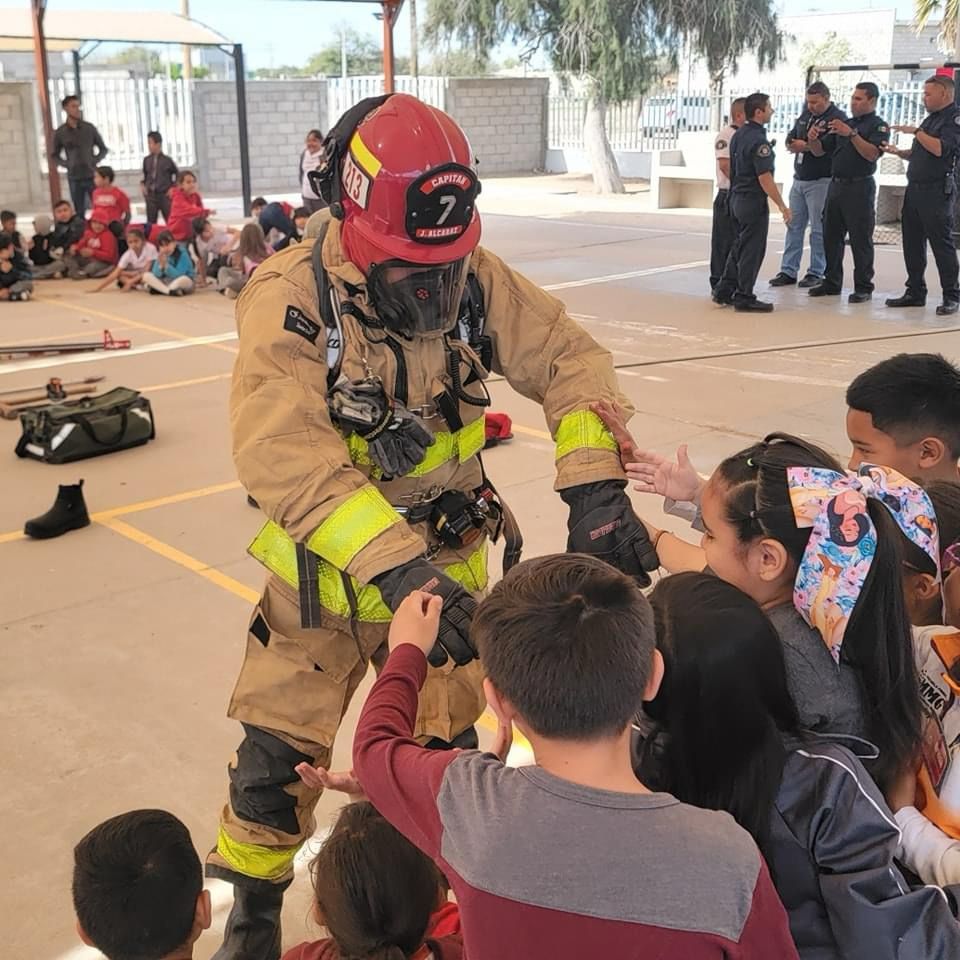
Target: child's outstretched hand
319,778
653,473
417,621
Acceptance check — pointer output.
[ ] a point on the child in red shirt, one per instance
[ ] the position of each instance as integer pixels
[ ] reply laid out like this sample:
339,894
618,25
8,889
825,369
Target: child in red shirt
375,891
186,205
95,254
109,199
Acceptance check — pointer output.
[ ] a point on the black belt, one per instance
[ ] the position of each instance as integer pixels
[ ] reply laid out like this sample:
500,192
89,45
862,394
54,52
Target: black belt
928,183
869,176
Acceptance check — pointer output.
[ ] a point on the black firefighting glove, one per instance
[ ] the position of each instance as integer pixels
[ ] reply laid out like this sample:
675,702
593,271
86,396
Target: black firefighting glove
603,524
397,439
453,640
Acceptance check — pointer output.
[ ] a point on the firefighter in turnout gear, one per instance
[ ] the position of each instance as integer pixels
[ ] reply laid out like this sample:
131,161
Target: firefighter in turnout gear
357,412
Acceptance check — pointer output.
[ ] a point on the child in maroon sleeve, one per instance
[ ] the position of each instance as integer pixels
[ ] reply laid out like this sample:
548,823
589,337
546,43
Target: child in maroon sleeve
572,857
108,199
375,894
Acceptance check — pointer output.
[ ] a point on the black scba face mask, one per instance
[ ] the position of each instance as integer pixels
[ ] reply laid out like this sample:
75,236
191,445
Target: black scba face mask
418,300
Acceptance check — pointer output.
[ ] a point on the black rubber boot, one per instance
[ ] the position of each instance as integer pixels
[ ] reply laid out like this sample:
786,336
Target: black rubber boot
253,927
68,512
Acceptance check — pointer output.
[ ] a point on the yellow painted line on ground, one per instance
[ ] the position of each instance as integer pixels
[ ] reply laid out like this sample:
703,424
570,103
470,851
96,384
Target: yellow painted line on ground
530,432
139,324
182,559
185,383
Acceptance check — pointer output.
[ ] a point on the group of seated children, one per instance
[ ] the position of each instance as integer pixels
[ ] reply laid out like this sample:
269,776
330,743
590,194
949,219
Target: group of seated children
757,761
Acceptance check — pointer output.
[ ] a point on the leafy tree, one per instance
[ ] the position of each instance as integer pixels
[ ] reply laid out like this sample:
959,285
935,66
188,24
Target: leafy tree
614,49
457,62
364,57
199,73
949,11
142,59
833,49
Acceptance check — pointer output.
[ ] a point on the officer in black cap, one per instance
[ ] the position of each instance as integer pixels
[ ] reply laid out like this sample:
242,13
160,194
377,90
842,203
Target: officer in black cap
851,198
927,215
751,176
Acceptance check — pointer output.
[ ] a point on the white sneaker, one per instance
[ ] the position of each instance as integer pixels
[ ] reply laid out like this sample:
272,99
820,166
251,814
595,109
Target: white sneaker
230,293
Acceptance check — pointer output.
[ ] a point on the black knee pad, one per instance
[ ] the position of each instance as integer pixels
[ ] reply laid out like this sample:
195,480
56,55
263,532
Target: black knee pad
265,765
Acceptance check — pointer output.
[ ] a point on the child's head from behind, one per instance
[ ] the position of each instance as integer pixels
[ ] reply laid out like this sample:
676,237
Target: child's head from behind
724,700
300,217
138,887
374,890
904,413
755,541
103,176
252,242
8,221
7,248
63,211
568,645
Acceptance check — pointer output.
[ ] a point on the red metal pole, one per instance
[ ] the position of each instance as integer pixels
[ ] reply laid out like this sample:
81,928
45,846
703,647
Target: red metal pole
388,18
38,9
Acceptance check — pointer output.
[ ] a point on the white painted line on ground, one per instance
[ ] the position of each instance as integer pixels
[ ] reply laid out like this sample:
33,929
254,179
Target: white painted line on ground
763,375
615,226
611,277
97,356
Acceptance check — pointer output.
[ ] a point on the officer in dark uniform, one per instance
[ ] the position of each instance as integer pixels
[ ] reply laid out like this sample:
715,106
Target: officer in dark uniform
751,176
928,203
723,231
851,198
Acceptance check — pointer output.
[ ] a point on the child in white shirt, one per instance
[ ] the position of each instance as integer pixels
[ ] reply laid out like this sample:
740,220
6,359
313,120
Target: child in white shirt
136,260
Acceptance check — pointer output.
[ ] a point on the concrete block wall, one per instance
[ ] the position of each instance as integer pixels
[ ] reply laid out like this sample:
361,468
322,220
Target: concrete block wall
505,119
279,114
21,185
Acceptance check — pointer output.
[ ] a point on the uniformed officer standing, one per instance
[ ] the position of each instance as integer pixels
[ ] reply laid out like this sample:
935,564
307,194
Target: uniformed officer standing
722,233
811,144
928,203
851,200
751,176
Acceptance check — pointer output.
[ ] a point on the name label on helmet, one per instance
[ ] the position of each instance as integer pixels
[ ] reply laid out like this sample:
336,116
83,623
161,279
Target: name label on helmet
356,182
441,203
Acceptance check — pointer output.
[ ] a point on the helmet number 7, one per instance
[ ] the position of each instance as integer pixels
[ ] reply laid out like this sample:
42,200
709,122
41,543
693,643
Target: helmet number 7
448,202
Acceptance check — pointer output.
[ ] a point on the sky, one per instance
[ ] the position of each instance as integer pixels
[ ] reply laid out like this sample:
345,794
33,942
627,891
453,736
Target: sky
277,32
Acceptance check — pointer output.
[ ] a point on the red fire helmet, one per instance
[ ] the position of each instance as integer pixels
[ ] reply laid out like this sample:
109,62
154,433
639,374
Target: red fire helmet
409,189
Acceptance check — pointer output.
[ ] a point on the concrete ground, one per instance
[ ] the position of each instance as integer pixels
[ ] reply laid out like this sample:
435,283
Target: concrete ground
119,644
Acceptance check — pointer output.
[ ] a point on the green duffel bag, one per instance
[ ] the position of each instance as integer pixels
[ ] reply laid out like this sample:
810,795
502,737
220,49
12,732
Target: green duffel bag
89,427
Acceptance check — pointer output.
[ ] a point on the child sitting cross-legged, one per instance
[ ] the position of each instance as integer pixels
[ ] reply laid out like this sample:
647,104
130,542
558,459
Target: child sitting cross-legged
573,856
135,261
172,272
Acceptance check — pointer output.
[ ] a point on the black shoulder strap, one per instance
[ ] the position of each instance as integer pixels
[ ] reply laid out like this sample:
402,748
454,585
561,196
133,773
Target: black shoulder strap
332,326
473,320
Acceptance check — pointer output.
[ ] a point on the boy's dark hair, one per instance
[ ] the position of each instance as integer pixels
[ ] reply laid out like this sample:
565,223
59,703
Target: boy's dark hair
375,891
6,215
199,224
877,644
568,640
165,236
911,396
136,232
155,136
870,89
106,172
755,102
301,212
62,203
68,100
6,240
258,202
136,880
818,89
945,496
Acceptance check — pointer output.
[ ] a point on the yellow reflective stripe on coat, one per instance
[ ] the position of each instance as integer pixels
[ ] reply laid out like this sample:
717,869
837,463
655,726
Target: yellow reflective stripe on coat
462,445
360,519
583,429
252,860
278,553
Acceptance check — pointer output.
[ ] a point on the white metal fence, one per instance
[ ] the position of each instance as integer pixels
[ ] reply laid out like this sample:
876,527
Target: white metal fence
344,93
655,122
125,110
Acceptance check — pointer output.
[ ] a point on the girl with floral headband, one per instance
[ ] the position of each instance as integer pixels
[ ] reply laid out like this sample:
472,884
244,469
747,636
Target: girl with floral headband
820,551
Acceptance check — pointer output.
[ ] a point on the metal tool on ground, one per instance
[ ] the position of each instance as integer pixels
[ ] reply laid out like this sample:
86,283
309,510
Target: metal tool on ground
109,342
11,409
34,388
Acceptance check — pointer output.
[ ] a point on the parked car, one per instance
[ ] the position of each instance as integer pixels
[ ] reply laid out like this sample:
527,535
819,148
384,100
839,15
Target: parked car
672,113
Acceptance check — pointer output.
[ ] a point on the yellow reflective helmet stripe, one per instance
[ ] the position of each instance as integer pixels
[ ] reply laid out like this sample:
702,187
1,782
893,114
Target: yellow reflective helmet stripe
581,430
252,860
360,519
363,156
462,445
274,548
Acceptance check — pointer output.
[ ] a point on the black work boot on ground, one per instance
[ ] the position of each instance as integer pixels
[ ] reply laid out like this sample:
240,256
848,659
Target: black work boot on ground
253,927
68,512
